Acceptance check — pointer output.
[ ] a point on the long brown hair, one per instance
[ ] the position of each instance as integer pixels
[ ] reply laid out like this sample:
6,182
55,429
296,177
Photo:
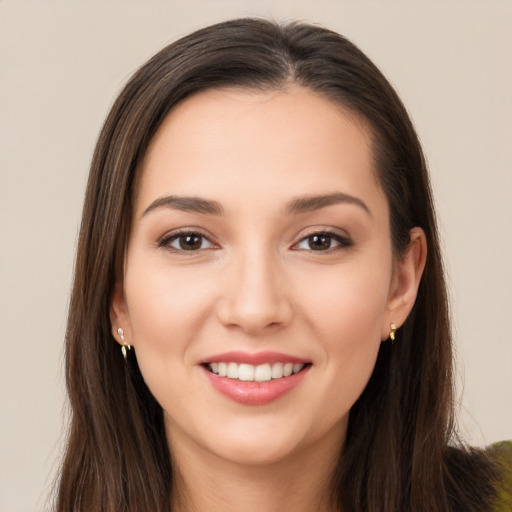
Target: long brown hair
397,455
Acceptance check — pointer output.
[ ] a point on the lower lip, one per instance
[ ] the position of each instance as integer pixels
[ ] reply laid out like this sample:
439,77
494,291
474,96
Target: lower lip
255,393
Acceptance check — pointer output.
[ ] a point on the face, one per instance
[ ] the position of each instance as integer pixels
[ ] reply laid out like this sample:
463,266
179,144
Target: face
259,280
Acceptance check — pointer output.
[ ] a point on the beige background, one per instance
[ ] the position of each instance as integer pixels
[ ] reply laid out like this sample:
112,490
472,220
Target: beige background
61,65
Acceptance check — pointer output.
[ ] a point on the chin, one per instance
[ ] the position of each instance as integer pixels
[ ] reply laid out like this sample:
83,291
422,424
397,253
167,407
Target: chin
271,441
251,452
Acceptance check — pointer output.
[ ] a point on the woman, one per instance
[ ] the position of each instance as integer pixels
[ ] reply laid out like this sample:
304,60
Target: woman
255,323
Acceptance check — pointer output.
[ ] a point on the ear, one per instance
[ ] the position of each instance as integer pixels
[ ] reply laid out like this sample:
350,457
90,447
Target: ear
119,315
406,281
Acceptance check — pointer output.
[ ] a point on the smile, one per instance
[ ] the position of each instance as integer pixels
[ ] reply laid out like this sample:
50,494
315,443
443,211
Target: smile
252,373
255,379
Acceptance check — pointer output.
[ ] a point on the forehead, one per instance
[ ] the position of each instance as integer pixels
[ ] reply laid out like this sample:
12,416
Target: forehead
246,141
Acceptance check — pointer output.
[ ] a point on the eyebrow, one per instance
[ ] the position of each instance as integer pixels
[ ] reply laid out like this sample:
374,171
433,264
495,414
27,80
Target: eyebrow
295,207
186,204
310,203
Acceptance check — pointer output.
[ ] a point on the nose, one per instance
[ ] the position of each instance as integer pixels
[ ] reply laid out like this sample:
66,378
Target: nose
255,298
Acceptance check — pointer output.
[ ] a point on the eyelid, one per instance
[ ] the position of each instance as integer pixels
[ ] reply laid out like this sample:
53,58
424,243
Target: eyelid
344,240
164,241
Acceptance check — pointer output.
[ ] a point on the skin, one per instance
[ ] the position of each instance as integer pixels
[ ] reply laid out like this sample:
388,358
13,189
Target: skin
255,283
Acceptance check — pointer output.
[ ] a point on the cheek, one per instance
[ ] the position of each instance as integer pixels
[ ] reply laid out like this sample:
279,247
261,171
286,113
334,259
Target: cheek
351,334
345,312
346,304
167,308
163,301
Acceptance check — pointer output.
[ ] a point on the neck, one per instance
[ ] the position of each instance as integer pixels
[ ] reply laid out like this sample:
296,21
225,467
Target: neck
206,482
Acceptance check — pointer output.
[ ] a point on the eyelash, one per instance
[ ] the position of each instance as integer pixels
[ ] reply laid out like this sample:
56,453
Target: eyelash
341,241
166,241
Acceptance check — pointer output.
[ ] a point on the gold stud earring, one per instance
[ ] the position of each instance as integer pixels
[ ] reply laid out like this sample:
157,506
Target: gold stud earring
125,345
392,333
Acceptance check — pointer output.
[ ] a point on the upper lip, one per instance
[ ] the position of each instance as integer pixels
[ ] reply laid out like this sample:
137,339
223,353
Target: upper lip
254,359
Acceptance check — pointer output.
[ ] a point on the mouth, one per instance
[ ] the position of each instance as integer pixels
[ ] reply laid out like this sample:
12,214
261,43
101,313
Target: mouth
255,379
255,373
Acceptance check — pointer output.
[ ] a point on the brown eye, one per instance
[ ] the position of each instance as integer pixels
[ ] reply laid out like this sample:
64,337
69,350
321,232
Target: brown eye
186,242
319,242
190,242
323,242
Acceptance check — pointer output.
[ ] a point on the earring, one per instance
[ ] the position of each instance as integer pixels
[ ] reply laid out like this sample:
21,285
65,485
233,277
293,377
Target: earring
125,345
392,333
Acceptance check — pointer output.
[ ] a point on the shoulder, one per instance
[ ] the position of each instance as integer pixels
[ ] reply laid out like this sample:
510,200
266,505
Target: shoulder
501,454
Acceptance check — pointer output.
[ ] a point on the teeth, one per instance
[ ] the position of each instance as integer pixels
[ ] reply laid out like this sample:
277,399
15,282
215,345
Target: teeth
245,372
232,371
223,369
250,373
297,367
262,373
277,370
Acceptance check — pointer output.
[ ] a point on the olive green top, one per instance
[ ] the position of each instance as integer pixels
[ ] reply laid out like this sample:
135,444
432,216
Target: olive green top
502,454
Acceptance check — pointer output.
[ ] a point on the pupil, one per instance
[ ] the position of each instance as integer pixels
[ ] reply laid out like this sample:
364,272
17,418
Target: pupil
319,242
190,242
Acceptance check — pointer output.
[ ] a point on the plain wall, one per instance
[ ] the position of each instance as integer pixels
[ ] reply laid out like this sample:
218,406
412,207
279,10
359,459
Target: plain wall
61,66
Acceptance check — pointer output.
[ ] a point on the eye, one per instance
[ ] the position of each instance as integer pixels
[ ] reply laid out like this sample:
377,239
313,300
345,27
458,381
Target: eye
323,242
186,241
